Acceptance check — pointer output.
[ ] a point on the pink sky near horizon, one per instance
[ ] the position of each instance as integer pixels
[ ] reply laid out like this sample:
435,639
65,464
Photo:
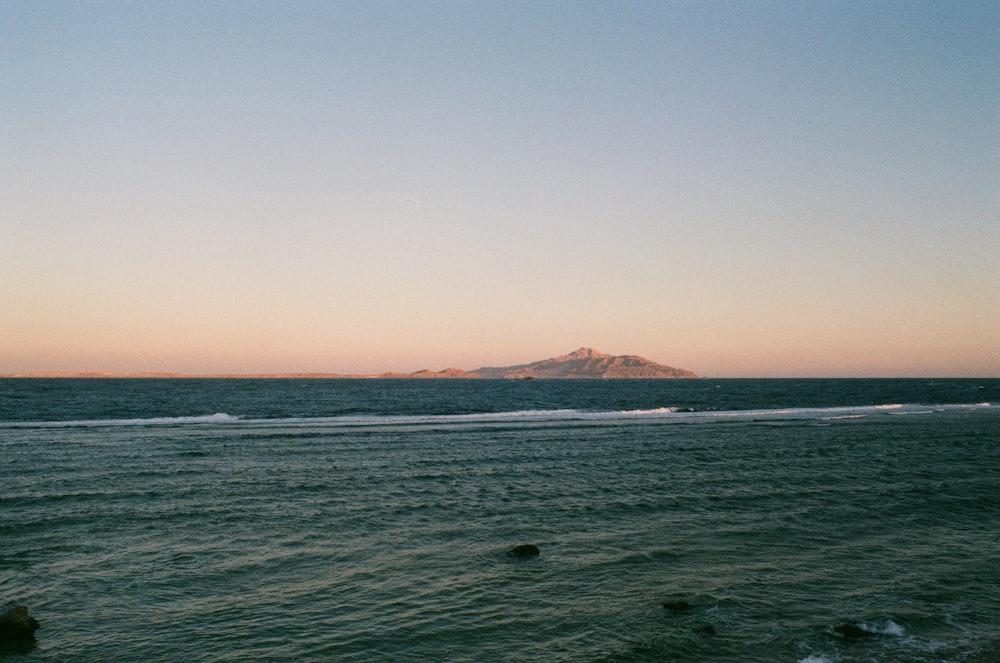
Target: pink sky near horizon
749,189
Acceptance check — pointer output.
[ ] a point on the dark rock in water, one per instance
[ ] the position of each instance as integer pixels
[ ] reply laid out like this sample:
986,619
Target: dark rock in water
16,627
676,606
523,551
852,631
706,629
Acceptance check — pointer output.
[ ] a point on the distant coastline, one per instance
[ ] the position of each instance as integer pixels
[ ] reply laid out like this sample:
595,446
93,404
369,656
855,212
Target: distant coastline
96,375
585,363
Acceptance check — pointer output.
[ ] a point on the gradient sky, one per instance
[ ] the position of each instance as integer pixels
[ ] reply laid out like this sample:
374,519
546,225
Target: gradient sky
735,188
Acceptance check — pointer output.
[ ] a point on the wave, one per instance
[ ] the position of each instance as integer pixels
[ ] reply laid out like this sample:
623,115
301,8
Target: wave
217,418
888,627
665,414
659,410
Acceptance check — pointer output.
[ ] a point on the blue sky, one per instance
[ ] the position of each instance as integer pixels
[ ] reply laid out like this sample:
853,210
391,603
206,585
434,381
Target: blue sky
736,188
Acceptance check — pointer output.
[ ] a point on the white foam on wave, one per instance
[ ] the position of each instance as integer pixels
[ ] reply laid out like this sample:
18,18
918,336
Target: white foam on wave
471,417
816,658
889,627
659,410
820,416
666,414
217,418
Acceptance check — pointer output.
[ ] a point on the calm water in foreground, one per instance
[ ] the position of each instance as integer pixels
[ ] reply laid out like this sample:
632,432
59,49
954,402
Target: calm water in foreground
367,520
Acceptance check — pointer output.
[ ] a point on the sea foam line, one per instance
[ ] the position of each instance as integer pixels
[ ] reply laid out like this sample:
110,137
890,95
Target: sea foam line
217,418
674,414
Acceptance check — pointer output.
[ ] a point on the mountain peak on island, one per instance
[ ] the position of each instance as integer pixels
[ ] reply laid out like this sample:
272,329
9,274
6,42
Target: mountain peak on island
587,363
582,353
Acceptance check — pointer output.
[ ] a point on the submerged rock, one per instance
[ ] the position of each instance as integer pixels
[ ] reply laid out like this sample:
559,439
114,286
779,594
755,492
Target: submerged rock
523,551
706,629
17,627
676,606
852,631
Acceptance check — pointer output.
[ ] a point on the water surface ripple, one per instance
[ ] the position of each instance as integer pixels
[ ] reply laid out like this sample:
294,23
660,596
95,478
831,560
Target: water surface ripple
337,521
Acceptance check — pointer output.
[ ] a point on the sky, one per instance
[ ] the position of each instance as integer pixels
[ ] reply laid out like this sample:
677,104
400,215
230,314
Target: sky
736,188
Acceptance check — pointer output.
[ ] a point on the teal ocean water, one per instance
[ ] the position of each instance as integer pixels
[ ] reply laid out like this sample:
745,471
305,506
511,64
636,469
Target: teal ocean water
808,521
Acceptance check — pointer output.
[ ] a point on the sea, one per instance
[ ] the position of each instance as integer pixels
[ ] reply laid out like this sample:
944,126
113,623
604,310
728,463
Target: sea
807,521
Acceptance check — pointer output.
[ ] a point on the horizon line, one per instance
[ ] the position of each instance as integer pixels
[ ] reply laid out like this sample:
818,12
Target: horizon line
427,374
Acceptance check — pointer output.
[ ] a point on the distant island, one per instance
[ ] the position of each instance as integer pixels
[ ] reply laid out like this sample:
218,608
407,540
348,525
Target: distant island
585,363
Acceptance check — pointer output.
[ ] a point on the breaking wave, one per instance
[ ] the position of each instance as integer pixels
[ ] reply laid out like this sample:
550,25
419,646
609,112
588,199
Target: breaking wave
217,418
660,414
